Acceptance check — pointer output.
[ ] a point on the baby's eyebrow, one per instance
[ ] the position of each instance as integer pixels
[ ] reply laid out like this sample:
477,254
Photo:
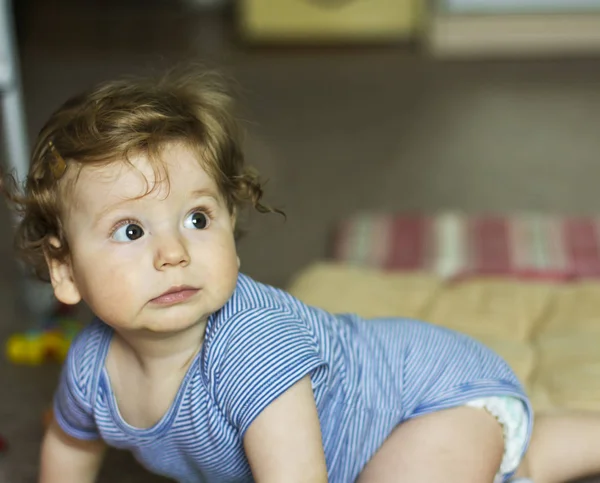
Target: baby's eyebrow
205,192
110,208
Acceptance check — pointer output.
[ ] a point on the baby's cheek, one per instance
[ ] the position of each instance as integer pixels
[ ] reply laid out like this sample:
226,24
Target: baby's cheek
222,272
111,281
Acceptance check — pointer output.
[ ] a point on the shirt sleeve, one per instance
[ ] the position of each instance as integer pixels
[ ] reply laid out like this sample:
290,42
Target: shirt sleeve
73,408
267,351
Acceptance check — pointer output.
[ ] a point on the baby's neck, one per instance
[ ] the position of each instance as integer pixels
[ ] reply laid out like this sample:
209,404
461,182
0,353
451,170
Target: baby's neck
161,352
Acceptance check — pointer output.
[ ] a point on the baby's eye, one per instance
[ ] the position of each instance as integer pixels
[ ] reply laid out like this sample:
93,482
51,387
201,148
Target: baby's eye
197,220
129,232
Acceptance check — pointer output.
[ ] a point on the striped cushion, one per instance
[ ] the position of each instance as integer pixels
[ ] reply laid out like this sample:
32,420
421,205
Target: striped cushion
454,245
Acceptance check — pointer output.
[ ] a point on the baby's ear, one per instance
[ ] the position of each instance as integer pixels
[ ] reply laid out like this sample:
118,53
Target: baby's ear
61,277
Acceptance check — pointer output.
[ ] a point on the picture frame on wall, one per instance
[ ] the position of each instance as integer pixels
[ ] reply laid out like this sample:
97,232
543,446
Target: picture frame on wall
520,6
480,29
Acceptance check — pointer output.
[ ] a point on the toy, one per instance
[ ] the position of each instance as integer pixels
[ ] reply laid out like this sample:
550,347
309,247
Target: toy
49,343
37,346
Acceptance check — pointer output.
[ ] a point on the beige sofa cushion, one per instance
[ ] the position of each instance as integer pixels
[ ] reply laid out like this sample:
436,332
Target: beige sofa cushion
548,333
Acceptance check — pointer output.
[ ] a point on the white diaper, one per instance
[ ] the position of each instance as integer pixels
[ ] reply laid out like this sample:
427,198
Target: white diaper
512,414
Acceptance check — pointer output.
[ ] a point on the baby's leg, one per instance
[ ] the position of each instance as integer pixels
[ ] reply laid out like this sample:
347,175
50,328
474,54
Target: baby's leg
460,445
563,447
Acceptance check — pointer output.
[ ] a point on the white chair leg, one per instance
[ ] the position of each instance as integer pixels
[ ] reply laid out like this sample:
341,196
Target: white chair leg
38,299
15,134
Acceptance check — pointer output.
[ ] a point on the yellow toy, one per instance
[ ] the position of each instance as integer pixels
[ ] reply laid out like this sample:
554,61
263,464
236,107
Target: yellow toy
38,346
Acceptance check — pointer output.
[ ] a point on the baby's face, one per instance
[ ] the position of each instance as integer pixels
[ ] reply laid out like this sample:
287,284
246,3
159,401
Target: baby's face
162,262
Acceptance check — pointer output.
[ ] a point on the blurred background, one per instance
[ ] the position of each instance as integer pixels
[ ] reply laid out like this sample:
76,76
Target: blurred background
349,105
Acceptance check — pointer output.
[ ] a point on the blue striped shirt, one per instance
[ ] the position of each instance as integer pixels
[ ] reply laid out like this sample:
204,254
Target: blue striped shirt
367,376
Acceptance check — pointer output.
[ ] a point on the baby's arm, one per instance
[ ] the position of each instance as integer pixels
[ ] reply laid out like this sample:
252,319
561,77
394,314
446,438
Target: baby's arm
284,442
72,449
264,379
69,460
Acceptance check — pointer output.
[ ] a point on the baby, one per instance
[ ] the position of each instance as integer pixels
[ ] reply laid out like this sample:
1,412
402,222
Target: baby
207,375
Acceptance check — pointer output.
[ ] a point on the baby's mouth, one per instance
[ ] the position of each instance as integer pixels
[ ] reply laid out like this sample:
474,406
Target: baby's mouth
175,295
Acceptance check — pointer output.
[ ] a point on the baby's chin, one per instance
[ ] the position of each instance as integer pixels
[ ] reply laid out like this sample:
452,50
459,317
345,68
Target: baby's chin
165,321
160,328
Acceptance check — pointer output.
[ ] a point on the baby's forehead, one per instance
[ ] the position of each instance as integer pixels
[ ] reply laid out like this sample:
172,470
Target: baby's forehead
115,179
138,178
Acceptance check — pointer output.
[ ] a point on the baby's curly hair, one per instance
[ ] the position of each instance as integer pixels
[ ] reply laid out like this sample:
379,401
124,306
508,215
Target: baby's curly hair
117,120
